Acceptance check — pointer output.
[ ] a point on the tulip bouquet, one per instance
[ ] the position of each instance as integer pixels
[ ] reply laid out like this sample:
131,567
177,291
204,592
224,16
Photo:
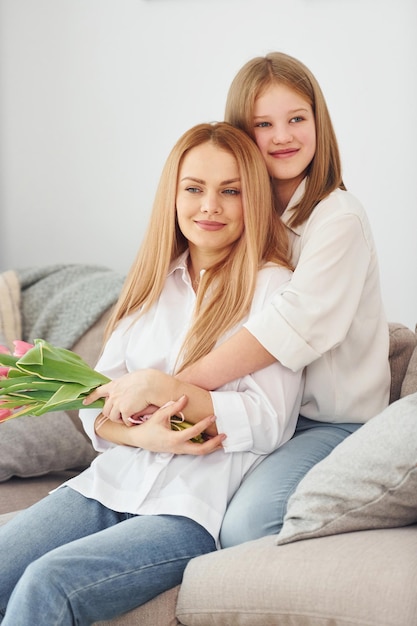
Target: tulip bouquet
40,378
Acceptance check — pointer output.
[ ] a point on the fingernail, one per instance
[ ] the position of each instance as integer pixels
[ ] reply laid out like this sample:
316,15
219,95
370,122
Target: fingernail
167,404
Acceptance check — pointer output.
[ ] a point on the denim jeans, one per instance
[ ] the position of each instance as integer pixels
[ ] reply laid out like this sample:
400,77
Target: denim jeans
259,505
69,560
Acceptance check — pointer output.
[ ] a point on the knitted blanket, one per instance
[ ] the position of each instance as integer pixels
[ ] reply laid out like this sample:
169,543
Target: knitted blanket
58,303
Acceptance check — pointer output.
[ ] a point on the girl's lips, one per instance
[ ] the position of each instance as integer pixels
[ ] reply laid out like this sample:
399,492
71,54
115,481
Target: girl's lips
283,154
209,225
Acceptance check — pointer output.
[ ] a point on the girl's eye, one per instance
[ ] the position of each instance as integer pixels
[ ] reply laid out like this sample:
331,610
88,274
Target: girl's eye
297,118
262,124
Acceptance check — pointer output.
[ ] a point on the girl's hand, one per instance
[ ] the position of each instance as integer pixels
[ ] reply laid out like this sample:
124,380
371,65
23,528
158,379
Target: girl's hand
156,434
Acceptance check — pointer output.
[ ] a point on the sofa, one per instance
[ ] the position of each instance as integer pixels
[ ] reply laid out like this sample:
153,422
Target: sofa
347,553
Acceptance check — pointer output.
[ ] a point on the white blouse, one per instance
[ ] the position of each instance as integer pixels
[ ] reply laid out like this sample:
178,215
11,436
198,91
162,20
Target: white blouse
258,413
330,317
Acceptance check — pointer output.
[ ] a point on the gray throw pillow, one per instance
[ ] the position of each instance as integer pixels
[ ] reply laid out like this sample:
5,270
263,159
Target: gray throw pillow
368,481
35,445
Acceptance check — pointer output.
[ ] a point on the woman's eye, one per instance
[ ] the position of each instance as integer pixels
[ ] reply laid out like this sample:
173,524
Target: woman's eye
232,192
192,189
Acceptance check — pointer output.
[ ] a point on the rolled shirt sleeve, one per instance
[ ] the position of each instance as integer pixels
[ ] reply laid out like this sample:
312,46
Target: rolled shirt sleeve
260,412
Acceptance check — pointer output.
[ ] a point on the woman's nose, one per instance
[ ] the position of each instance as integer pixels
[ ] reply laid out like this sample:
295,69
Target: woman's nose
210,204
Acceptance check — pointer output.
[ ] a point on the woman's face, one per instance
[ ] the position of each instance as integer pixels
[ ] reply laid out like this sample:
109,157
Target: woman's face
209,201
285,132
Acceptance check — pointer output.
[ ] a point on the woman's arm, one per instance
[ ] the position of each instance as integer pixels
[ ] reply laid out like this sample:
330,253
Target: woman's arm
240,355
156,434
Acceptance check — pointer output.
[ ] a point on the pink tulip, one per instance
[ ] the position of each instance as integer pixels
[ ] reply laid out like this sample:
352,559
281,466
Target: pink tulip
21,347
4,414
4,372
4,350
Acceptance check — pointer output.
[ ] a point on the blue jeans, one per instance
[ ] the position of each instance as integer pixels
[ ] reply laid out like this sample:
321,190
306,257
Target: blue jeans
259,505
69,560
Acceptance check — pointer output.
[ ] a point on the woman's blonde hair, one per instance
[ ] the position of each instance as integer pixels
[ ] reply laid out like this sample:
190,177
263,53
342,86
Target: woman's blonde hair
325,170
230,283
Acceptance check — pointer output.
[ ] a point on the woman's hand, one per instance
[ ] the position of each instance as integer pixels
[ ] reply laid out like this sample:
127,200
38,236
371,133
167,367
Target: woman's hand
126,397
156,434
141,392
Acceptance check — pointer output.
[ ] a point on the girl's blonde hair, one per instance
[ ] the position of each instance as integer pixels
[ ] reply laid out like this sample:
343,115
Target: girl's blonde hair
325,171
230,283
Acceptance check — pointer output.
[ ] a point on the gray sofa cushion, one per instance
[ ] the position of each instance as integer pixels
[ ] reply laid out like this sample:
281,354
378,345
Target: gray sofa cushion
19,493
368,481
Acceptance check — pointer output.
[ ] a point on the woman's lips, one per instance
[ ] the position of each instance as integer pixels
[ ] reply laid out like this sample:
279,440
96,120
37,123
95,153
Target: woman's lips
208,225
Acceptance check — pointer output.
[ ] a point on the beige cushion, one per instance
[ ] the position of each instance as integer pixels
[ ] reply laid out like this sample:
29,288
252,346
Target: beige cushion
358,578
157,612
367,481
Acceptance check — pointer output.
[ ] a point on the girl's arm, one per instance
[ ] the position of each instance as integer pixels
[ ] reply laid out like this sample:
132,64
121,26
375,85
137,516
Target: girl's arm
257,413
240,355
314,312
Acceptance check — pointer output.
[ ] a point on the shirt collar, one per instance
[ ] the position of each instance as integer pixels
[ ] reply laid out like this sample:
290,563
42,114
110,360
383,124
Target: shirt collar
180,263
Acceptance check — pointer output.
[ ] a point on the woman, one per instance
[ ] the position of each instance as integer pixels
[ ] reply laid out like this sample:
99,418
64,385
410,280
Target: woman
123,531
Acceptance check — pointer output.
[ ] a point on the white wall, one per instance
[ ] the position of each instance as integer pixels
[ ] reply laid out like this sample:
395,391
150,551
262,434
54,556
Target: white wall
93,94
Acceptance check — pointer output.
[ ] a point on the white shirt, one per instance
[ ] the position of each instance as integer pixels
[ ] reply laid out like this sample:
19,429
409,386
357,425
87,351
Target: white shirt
330,316
258,413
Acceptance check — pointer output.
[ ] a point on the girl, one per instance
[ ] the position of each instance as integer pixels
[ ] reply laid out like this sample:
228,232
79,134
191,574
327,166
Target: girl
123,531
329,318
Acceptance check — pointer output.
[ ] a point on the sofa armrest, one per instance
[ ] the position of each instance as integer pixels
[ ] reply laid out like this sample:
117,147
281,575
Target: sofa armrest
401,346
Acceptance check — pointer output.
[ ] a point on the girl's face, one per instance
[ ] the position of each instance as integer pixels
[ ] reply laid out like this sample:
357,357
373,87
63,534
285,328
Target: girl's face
285,132
209,201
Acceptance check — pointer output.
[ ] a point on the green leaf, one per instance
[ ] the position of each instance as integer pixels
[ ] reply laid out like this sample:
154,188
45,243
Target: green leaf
177,424
8,360
49,362
27,382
